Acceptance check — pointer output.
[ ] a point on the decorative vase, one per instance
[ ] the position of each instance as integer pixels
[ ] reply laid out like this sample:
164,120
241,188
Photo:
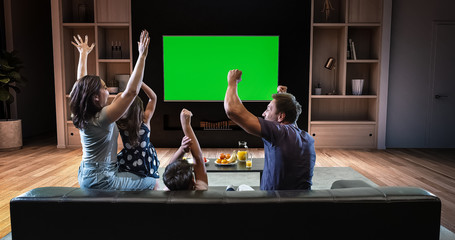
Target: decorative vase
357,86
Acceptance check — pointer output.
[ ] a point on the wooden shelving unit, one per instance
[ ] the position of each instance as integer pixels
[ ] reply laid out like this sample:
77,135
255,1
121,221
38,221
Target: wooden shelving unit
337,118
106,23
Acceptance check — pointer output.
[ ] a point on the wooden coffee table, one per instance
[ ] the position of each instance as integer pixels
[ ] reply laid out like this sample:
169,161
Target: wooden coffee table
258,166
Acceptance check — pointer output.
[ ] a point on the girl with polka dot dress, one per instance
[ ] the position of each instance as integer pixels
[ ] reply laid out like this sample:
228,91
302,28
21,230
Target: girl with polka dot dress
138,155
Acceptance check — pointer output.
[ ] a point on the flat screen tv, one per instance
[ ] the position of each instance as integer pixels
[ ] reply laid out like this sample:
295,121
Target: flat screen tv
196,67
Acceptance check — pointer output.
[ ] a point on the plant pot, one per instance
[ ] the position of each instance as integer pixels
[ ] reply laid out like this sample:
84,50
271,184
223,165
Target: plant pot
10,134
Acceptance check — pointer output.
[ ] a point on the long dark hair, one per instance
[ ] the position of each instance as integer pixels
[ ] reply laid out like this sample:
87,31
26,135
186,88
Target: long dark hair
82,104
132,122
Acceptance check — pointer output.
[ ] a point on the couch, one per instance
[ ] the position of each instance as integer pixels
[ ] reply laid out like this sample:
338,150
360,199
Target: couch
349,210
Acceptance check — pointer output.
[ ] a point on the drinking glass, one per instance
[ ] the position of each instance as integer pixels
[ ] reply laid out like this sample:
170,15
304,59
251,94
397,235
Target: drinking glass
249,161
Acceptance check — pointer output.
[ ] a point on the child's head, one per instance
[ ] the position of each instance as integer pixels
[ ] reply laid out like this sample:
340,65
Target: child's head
179,176
131,121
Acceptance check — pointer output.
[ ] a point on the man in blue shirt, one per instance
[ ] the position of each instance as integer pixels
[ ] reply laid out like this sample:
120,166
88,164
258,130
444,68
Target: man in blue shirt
289,151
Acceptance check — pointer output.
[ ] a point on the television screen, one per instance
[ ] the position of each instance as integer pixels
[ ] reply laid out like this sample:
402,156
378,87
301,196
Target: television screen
196,67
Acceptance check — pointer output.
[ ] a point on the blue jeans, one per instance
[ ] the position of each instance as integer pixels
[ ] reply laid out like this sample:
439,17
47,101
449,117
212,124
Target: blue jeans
106,176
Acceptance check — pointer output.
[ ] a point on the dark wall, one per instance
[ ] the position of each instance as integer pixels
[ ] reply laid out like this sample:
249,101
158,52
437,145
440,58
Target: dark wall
2,26
32,38
288,19
411,64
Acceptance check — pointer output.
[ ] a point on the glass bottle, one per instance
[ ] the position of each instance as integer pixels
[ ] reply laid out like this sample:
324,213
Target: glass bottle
242,153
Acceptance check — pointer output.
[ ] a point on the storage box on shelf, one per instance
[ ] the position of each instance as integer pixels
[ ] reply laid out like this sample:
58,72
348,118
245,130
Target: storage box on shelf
337,117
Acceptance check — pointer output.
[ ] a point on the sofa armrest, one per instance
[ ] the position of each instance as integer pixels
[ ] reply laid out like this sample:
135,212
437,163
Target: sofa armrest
349,184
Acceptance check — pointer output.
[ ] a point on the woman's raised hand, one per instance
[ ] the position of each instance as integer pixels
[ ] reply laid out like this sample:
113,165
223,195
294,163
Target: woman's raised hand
81,45
143,44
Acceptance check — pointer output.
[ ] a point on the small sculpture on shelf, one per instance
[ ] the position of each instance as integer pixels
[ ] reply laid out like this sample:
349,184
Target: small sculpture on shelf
327,7
318,90
116,49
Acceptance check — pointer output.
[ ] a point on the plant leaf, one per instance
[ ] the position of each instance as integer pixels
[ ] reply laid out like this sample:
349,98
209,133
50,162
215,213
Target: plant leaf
5,80
4,95
14,75
3,61
10,76
6,68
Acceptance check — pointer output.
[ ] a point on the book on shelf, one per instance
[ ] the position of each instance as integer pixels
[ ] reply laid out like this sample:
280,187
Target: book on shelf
352,50
349,56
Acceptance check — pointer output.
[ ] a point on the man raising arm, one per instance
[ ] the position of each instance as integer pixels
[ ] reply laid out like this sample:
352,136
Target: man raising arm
234,108
289,151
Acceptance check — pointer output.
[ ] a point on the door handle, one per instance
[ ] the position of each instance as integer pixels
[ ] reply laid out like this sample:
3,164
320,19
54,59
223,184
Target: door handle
437,96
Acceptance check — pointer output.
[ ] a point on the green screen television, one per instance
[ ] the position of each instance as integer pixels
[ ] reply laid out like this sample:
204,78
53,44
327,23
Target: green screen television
196,67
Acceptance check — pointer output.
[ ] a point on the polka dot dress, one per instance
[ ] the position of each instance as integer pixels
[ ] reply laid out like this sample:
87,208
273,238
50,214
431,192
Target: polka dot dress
141,160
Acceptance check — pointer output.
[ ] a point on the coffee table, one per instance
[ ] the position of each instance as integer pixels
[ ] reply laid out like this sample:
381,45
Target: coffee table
258,166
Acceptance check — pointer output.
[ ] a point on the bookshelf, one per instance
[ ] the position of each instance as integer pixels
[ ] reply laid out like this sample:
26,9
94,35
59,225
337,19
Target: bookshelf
337,117
107,23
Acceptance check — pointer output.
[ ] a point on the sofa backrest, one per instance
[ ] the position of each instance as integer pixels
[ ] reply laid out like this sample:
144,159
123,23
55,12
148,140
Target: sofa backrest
348,213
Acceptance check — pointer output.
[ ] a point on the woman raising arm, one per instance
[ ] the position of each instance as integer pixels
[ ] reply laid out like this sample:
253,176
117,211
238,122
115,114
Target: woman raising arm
95,120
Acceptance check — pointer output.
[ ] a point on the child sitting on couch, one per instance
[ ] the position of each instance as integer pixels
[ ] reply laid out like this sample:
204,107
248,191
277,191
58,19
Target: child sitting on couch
178,175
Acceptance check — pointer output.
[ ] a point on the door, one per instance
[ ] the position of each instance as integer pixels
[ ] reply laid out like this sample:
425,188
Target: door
441,132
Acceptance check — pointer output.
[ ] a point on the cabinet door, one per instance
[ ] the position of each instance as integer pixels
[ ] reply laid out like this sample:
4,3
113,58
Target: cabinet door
113,11
354,135
74,138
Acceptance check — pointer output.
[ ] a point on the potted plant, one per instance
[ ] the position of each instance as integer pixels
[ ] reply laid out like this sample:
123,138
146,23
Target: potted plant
10,78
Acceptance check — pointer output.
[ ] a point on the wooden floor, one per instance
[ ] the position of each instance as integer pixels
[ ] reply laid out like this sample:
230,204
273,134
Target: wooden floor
41,164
